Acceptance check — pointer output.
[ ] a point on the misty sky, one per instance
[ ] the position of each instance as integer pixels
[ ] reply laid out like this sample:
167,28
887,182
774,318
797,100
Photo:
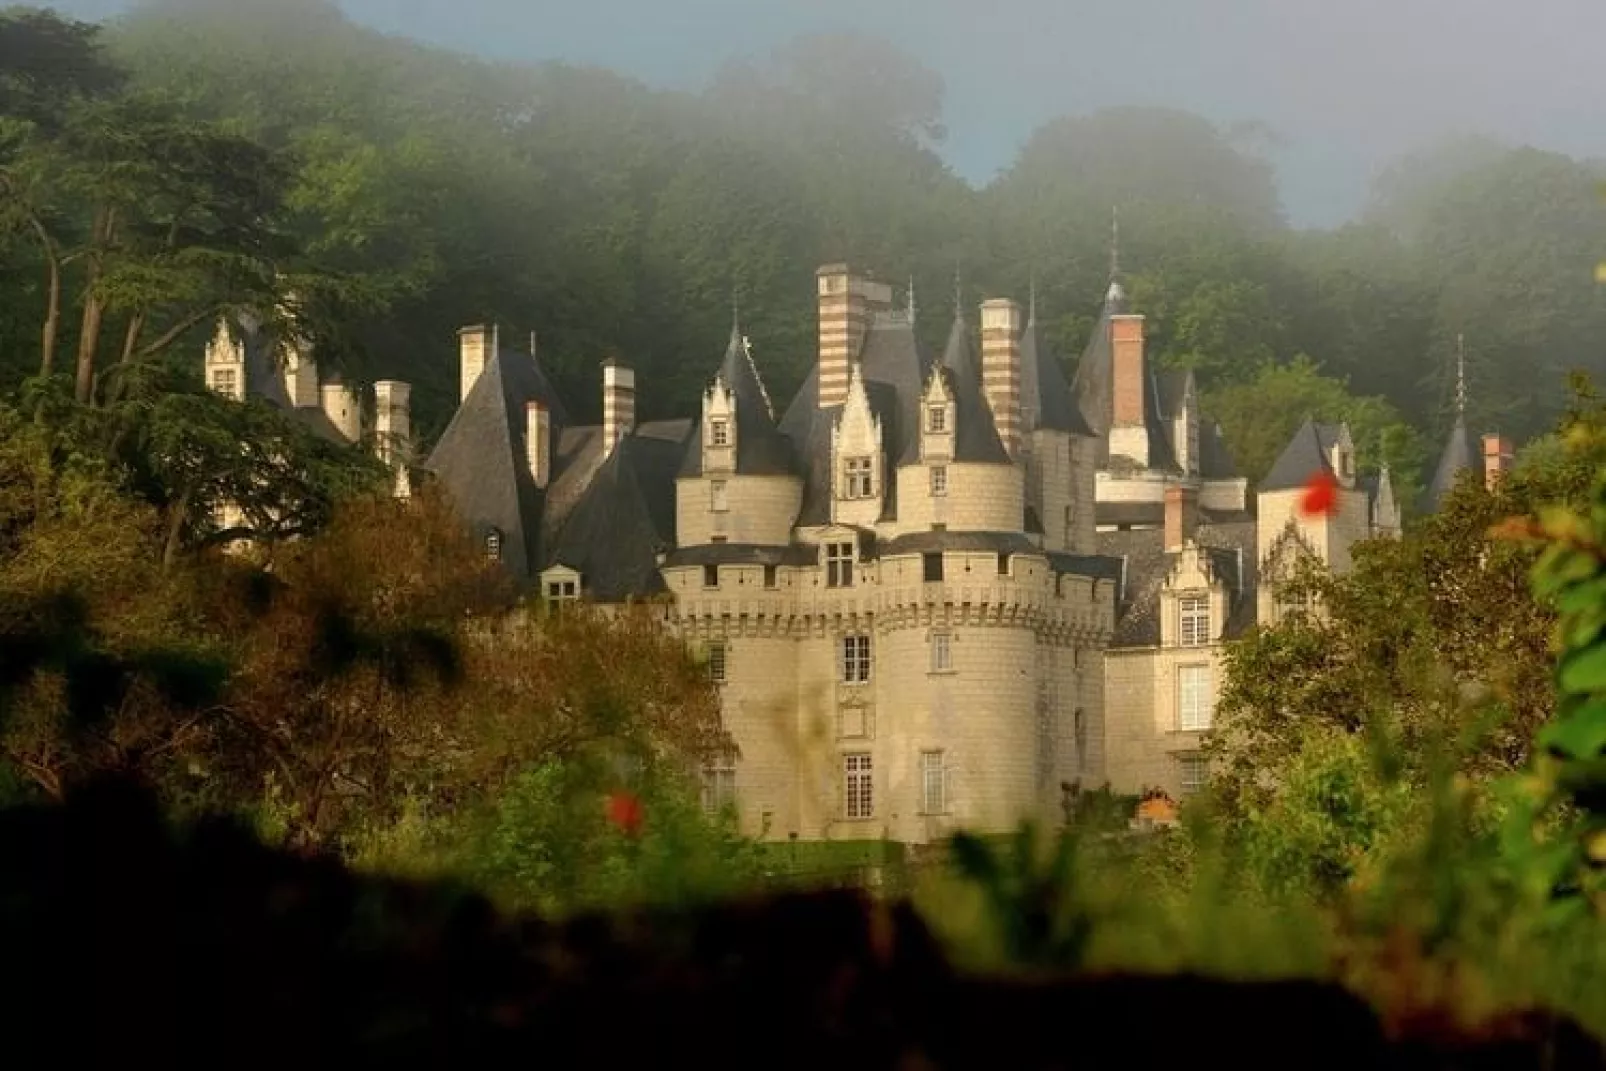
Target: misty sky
1347,84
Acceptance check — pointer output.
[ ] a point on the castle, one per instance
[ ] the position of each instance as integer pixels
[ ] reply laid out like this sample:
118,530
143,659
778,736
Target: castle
934,591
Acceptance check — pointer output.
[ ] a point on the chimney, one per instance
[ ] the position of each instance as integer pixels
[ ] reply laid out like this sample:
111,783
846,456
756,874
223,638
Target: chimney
1000,368
842,321
1181,515
618,404
1497,459
475,346
538,442
393,429
1126,349
340,406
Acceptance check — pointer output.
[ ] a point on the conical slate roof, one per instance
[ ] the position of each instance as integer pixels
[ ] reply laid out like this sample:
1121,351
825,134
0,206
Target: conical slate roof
1458,456
761,449
1043,388
976,437
1094,388
1310,451
625,518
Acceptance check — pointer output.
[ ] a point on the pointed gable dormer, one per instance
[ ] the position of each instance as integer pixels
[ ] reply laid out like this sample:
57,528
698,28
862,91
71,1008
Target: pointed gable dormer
938,416
737,434
720,427
974,432
225,362
858,458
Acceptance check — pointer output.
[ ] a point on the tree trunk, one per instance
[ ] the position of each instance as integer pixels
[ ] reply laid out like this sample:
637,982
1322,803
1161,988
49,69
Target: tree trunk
94,308
52,327
175,527
136,325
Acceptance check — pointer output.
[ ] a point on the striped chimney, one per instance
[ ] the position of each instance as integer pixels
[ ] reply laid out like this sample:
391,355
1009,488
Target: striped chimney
1497,459
618,404
1000,368
843,317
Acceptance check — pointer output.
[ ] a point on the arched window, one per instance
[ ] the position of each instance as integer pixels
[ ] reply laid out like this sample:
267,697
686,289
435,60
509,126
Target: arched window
493,545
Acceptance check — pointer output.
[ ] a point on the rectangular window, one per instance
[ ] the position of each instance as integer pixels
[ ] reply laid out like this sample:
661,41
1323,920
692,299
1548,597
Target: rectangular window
719,785
931,565
942,652
839,565
561,590
716,662
1003,564
717,500
1192,770
855,659
937,419
1194,624
933,783
856,481
1194,705
223,381
939,480
719,433
858,793
770,577
710,576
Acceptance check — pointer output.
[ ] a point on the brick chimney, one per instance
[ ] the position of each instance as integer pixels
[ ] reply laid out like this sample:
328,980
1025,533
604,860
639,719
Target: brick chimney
618,404
1128,434
1000,368
847,303
1498,456
538,442
1181,515
475,346
393,429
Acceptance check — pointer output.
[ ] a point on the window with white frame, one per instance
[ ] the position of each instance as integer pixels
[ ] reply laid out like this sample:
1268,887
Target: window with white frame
717,499
562,590
858,791
1195,707
942,652
839,565
1193,624
719,432
1192,772
933,783
937,419
719,784
493,545
855,659
939,480
856,478
224,381
717,659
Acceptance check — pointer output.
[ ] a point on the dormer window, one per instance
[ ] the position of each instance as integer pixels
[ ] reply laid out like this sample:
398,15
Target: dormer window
719,433
858,478
562,591
224,381
936,419
493,545
839,565
1193,620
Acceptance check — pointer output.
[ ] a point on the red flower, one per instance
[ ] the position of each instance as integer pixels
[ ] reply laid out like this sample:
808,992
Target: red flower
626,812
1321,495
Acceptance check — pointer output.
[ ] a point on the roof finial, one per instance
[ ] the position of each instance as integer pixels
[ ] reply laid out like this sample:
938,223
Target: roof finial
532,343
1115,242
911,299
1031,298
959,290
1460,375
736,311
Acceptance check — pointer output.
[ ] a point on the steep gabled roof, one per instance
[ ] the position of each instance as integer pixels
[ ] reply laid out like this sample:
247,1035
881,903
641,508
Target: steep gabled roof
1458,456
1215,460
891,357
761,450
1310,451
1043,386
1094,389
623,521
976,437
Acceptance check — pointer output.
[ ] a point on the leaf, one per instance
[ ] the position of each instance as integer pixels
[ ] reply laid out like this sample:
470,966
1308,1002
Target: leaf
1580,736
1583,672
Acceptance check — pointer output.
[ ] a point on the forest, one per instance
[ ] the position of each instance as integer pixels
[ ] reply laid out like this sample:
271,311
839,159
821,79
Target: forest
296,789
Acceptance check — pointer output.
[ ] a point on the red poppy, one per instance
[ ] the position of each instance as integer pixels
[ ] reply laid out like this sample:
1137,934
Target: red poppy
626,812
1321,495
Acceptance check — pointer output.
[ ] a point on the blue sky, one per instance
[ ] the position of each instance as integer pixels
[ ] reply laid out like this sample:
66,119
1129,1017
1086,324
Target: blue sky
1346,84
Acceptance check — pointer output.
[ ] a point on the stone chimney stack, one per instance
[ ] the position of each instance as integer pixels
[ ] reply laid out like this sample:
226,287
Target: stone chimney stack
1181,515
1498,456
847,304
538,442
1129,435
618,404
1000,368
393,429
340,406
475,346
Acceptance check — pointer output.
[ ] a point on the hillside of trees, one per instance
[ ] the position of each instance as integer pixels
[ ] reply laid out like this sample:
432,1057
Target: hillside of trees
219,154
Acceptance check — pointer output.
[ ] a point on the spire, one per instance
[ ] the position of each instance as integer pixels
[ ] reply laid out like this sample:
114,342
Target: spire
959,291
1031,299
911,299
1460,377
736,313
1115,243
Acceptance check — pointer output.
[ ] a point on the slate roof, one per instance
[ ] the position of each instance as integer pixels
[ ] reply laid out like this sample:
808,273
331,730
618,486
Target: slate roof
761,450
1458,456
932,542
1043,387
976,437
264,379
481,457
1170,389
623,521
1152,514
1215,460
1232,550
1308,452
1094,390
743,554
